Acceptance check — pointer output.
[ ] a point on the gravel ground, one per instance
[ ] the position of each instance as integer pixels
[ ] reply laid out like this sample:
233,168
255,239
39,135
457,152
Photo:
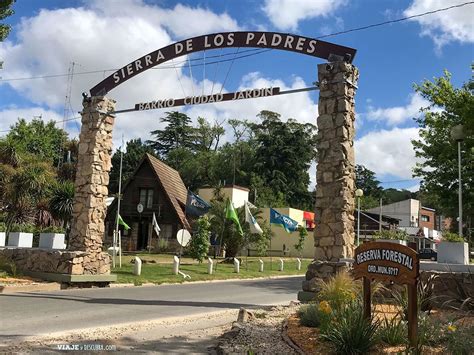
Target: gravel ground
261,334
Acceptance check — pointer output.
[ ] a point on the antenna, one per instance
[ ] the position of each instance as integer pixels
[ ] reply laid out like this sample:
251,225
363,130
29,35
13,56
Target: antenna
67,109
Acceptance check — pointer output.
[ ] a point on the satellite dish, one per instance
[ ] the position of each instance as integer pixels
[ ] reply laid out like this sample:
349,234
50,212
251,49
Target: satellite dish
140,208
183,237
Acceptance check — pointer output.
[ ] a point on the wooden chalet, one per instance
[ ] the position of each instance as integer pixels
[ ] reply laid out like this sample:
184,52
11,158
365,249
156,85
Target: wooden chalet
160,190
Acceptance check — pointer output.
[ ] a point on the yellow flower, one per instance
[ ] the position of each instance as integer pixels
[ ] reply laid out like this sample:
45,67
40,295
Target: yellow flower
325,307
451,328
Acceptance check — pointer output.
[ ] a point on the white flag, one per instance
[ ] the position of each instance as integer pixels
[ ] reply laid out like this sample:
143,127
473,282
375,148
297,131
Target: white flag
155,225
254,227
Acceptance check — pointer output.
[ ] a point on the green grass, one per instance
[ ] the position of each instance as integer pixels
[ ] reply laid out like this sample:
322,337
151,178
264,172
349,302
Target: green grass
161,272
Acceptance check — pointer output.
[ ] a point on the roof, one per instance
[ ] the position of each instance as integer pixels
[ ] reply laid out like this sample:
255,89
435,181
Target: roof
173,186
375,217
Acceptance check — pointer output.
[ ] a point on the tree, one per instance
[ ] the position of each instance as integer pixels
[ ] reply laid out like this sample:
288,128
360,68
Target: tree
366,181
43,140
61,201
303,233
133,155
449,106
177,133
200,242
5,11
284,153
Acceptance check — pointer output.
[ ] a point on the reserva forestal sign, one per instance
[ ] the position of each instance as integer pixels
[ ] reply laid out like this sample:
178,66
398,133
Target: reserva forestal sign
272,40
386,261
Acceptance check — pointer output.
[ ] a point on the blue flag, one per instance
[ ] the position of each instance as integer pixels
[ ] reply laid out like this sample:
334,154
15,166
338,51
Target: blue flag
195,205
282,220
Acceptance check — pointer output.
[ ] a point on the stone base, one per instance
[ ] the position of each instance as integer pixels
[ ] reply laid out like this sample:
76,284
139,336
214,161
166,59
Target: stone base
58,261
305,296
322,270
72,279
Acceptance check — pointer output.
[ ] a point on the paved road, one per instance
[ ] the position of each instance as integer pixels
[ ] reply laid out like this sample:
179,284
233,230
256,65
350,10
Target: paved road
27,314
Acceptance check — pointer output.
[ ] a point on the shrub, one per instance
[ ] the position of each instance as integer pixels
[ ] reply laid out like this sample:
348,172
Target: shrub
200,243
163,245
459,340
52,229
315,315
310,315
391,234
7,265
338,290
24,228
350,332
425,291
453,238
393,331
3,227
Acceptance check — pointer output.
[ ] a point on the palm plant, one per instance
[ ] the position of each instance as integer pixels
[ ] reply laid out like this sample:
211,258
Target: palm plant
61,202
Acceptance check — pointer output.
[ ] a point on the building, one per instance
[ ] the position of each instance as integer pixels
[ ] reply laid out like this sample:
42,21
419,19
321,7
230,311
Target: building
237,194
159,189
282,243
420,222
370,225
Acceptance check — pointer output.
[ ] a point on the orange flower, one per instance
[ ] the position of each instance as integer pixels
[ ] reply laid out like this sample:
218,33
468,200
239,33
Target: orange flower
325,307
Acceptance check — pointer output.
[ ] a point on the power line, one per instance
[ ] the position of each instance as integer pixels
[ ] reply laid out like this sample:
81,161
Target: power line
55,122
397,20
256,50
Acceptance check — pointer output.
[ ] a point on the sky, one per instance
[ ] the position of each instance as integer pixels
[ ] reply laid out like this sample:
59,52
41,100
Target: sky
54,37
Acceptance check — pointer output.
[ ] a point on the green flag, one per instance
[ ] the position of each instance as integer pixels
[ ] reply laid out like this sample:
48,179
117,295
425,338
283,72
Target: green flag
125,225
232,215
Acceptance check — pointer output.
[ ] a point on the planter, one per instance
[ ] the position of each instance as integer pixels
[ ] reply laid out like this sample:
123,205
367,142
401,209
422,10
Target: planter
51,241
453,253
2,239
20,240
396,241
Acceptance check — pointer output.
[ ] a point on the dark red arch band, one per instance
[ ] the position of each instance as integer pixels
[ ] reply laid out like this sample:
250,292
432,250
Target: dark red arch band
273,40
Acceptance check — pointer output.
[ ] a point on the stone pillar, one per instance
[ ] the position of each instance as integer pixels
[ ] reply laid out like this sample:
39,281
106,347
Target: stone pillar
92,178
335,178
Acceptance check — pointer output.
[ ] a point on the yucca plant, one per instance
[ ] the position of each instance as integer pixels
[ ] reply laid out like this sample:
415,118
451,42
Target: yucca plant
393,331
350,332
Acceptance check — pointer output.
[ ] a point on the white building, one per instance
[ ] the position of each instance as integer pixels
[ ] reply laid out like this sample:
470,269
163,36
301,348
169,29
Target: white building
406,211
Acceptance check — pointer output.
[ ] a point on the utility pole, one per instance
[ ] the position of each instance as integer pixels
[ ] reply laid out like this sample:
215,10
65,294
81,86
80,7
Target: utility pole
380,216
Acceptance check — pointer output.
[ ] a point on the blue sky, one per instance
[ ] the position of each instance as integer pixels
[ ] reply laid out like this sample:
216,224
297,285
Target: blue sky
49,35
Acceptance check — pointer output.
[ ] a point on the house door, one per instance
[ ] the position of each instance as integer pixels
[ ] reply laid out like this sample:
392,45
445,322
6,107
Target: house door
142,235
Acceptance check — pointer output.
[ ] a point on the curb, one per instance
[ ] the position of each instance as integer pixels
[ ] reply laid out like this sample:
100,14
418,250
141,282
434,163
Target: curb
286,338
53,286
149,284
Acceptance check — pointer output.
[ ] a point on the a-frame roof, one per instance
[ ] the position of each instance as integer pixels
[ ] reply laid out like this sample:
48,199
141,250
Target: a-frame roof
171,183
173,186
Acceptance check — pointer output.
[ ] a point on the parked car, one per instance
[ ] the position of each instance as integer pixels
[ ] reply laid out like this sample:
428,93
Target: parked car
428,253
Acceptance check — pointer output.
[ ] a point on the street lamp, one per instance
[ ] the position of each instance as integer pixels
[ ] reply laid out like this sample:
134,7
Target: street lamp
457,134
359,193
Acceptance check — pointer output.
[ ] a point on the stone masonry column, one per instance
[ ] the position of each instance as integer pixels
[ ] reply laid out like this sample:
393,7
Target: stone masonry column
335,178
92,179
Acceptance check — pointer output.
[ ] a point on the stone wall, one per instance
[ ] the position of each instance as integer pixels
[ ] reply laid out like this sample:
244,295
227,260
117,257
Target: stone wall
92,179
57,261
335,176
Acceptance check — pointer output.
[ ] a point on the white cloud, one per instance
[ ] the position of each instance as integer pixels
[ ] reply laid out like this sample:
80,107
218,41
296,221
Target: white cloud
388,151
398,114
9,116
285,14
443,27
96,39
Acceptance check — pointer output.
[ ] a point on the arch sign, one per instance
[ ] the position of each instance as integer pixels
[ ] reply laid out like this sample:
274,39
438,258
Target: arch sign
271,40
386,261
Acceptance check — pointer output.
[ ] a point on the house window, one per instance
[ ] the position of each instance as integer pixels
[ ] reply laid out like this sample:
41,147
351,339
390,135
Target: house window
425,218
146,198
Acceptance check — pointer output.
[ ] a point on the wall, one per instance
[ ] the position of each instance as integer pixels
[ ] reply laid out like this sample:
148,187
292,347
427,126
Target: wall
237,194
58,261
407,211
430,214
283,238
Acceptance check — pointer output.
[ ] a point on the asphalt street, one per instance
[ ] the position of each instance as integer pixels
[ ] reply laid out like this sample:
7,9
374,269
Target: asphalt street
41,313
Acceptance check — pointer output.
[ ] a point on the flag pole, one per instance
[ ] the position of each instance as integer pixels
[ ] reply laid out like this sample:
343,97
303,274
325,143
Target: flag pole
118,204
222,234
184,226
